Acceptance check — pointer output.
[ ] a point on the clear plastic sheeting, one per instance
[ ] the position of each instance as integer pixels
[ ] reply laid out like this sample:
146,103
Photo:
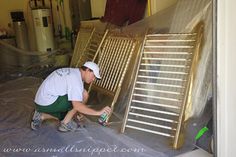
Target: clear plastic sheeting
187,14
179,18
15,62
157,23
17,138
12,56
17,95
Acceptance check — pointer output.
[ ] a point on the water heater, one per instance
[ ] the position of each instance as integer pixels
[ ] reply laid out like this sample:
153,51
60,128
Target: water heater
43,29
20,29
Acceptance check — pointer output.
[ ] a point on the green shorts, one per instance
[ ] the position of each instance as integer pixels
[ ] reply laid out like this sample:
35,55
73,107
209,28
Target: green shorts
57,109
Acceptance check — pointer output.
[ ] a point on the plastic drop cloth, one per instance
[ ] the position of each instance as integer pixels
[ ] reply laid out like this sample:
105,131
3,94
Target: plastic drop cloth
15,62
18,140
17,96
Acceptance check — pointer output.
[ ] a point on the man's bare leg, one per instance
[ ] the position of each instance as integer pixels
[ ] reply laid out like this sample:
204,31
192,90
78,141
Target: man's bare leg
73,112
80,116
38,118
69,116
45,116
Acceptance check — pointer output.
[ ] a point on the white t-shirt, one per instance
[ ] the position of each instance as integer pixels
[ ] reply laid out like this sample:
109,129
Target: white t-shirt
61,82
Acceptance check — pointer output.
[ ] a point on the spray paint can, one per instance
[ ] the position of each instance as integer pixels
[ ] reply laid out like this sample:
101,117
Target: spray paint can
102,119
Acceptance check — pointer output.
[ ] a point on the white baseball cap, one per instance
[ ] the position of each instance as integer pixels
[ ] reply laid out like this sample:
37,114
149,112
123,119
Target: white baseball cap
93,66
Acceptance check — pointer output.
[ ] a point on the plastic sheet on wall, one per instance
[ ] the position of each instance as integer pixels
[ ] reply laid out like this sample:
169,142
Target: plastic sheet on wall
15,62
177,18
186,15
182,17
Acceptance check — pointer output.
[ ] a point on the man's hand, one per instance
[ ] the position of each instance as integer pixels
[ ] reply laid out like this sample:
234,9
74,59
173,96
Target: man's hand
106,110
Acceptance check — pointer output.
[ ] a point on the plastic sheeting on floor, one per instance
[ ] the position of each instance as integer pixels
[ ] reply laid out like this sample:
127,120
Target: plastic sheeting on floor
18,140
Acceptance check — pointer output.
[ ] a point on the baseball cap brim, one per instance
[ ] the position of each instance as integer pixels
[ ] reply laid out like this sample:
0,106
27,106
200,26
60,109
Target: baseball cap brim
94,67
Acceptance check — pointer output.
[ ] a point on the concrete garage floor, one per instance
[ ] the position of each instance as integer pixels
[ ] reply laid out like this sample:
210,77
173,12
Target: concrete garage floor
18,140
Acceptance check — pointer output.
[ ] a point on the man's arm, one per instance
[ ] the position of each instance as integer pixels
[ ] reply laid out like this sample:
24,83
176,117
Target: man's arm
82,108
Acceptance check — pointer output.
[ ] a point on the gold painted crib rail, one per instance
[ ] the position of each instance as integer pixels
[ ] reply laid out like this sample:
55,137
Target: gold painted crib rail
88,42
83,38
163,84
113,59
92,47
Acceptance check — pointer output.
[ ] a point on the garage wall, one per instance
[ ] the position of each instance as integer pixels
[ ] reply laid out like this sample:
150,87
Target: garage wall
6,7
158,5
226,76
97,7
